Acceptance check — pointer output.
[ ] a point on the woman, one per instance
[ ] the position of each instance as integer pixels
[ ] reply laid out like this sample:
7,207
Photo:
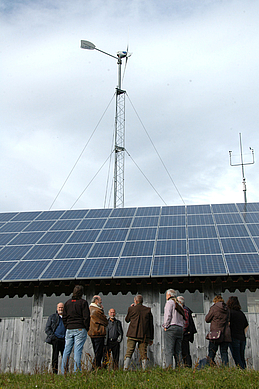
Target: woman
76,319
218,317
239,327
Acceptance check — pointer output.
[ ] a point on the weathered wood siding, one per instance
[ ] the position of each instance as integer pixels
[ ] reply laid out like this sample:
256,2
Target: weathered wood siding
23,348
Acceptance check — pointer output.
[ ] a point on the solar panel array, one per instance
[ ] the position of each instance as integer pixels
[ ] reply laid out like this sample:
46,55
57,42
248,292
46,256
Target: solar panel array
194,240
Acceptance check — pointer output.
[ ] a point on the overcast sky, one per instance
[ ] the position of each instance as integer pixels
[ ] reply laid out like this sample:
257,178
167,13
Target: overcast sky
192,81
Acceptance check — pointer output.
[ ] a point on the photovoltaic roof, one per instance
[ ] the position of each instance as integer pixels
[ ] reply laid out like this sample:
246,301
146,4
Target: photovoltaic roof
169,241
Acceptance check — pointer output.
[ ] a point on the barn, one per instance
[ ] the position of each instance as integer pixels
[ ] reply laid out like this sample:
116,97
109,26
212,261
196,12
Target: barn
199,250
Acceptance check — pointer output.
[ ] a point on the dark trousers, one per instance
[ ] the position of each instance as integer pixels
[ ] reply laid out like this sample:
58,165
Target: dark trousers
58,345
213,348
237,348
98,346
112,348
187,360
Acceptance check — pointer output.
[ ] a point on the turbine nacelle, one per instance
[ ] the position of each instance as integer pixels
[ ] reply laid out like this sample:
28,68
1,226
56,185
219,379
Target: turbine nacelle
123,54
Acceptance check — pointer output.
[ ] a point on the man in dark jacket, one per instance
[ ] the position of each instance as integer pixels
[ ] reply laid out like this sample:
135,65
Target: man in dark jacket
189,330
76,319
56,331
97,330
141,331
114,335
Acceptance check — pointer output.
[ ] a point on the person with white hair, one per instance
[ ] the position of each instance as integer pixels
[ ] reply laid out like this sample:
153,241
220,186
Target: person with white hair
174,319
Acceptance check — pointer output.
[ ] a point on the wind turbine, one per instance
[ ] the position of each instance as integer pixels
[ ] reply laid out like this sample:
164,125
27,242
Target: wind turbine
119,143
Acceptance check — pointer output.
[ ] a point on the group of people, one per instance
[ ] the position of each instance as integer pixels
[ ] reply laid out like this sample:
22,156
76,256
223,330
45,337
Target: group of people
74,320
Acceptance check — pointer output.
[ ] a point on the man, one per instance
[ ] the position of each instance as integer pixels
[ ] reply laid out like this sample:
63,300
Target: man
97,330
141,331
56,331
76,319
174,319
189,330
114,335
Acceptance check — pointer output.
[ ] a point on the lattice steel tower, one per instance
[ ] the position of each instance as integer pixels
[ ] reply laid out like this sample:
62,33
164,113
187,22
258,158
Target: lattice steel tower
119,142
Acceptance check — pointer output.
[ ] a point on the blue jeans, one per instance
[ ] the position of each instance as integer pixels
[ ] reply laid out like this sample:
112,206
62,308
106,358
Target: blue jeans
75,337
173,345
213,348
237,348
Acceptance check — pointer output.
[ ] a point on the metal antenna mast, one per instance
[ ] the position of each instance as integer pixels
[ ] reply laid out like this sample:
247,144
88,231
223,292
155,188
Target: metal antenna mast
119,147
242,164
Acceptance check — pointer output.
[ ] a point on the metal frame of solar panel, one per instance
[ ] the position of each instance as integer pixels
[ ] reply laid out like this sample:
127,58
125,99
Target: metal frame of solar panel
168,241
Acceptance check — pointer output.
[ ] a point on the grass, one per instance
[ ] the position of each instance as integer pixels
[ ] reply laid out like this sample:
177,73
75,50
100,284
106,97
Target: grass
209,377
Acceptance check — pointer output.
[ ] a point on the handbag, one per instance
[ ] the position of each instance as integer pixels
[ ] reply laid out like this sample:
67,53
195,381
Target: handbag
215,336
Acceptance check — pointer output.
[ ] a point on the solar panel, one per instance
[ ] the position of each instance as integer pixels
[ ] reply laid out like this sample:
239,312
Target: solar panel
249,207
202,232
130,242
39,226
103,250
195,220
204,246
55,237
228,218
134,267
26,270
6,267
50,215
111,235
166,233
5,217
97,268
207,264
74,214
166,266
237,230
84,236
223,208
25,216
254,229
76,250
87,224
173,210
118,222
142,233
62,269
178,220
148,211
43,251
5,238
237,245
14,226
171,247
150,221
251,217
123,212
12,253
138,248
65,225
198,209
26,238
243,263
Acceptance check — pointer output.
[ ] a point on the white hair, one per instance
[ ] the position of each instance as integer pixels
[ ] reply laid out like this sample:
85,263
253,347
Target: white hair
181,299
171,292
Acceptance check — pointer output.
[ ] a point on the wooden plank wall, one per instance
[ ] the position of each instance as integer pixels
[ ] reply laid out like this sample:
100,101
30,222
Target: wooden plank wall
23,348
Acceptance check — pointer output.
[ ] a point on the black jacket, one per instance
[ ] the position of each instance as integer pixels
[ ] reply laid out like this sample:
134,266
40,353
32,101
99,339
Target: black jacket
191,329
51,326
76,314
118,328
